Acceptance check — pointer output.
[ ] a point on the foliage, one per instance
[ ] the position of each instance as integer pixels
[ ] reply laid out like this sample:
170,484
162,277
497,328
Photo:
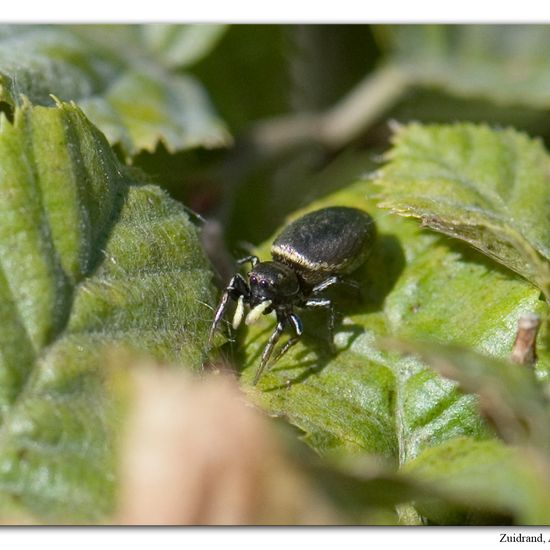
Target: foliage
123,77
417,417
489,188
92,257
474,60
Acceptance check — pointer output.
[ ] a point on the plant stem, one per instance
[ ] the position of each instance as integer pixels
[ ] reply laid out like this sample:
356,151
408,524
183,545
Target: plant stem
340,124
363,105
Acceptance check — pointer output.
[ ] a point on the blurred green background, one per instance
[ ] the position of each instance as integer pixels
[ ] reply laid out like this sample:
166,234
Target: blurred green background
309,106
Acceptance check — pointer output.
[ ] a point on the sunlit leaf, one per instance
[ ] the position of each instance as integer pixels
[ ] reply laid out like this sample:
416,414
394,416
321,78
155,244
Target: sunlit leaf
91,258
510,395
414,285
117,79
487,187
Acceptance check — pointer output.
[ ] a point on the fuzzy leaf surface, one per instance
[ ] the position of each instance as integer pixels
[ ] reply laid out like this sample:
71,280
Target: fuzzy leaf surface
490,188
91,258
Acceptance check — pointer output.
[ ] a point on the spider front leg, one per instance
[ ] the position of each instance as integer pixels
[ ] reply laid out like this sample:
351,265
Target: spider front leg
298,330
266,354
326,304
252,259
237,289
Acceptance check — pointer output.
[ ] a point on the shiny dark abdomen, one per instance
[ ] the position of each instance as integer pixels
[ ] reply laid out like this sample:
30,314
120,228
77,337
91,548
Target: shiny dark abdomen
326,242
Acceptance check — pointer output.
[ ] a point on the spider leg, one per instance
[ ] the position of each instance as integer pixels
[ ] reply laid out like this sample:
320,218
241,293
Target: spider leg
266,354
327,304
297,326
236,288
325,284
333,281
252,259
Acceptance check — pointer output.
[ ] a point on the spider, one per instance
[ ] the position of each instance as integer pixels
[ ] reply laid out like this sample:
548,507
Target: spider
309,256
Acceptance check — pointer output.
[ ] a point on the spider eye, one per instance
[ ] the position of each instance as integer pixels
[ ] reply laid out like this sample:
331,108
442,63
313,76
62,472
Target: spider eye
253,280
263,283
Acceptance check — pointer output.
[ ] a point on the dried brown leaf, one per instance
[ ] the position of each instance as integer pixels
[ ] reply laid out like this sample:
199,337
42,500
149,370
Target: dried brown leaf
197,453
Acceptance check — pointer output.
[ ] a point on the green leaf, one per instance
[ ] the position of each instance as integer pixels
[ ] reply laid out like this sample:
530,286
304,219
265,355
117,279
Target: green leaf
415,285
505,64
484,475
116,74
91,258
182,45
510,395
487,187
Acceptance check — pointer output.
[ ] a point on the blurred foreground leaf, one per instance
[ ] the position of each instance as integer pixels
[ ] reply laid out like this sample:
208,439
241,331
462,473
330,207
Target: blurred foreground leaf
490,188
486,475
90,259
120,75
195,453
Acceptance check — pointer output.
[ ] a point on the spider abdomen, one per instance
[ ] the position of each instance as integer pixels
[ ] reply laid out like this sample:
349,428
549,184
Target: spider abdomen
330,241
